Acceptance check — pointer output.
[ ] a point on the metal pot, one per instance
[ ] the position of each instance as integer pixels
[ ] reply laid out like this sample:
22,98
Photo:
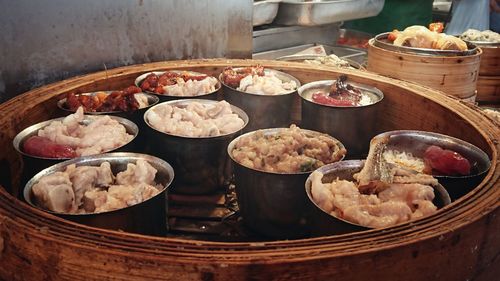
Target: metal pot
323,223
416,142
214,95
264,111
272,204
354,126
34,164
201,164
148,217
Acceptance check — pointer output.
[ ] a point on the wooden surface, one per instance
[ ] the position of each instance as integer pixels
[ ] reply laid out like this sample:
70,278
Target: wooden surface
455,76
459,242
488,89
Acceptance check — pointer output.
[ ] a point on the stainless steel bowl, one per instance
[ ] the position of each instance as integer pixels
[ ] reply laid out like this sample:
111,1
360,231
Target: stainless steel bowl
136,116
323,223
264,111
201,164
303,58
148,217
272,204
214,95
34,164
354,126
416,142
381,41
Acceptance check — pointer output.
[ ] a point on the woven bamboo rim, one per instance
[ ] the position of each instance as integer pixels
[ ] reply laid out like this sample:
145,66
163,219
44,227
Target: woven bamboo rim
35,245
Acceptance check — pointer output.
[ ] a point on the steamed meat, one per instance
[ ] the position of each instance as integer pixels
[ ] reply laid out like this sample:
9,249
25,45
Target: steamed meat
446,162
94,189
290,150
195,119
179,84
268,84
141,172
54,192
79,138
421,37
381,194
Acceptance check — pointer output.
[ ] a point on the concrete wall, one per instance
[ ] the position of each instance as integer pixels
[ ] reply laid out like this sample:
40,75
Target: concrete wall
44,41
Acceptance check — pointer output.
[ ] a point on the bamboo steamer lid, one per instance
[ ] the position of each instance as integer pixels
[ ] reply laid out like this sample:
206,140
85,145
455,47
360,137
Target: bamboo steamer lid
453,75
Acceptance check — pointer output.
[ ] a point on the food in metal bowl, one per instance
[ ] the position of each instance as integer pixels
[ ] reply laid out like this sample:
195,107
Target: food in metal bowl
178,83
380,194
127,100
341,93
77,135
195,119
94,189
288,150
255,80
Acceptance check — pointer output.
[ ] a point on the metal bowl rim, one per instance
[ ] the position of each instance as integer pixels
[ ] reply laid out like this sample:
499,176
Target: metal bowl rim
104,157
141,77
292,78
241,113
324,83
458,141
21,136
231,145
61,102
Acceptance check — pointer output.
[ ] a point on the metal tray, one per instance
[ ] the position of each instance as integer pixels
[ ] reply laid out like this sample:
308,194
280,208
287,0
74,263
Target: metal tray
382,42
357,55
318,12
264,12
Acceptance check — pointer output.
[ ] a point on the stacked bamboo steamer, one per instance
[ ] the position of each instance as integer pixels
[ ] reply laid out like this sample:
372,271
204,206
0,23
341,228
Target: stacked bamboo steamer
455,73
488,82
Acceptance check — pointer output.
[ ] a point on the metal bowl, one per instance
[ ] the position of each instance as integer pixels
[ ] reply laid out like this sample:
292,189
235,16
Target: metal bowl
201,164
416,142
148,217
323,223
272,204
381,41
354,126
210,96
264,111
34,164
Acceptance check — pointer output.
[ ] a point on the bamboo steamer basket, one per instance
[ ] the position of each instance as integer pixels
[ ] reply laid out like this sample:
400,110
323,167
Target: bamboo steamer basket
490,61
464,236
453,75
488,89
488,83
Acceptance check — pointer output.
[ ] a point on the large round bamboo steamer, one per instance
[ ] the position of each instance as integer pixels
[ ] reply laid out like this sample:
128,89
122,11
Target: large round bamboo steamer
488,89
490,61
464,236
453,75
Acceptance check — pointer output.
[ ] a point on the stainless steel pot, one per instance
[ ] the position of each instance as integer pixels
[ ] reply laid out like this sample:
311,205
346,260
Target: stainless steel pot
323,223
264,111
148,217
354,126
272,204
201,164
